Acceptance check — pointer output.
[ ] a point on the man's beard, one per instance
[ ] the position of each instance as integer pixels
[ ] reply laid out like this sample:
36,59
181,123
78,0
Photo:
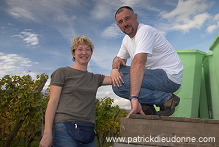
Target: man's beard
128,27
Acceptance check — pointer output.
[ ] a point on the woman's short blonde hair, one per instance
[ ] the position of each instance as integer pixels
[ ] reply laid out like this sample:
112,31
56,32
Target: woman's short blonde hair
81,40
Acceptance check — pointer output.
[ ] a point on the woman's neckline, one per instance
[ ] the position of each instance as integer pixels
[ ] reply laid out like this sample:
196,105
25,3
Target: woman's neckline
77,69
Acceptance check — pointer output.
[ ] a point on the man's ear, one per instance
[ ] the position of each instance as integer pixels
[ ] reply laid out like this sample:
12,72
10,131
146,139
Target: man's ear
136,16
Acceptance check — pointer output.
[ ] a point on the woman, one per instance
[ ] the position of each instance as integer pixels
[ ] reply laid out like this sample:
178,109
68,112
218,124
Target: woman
72,99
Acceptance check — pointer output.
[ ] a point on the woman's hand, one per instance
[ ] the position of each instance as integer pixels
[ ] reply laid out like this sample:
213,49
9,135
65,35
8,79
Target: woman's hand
46,141
116,78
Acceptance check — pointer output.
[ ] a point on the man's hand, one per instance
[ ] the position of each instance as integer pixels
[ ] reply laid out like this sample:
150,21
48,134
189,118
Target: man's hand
135,107
116,77
117,62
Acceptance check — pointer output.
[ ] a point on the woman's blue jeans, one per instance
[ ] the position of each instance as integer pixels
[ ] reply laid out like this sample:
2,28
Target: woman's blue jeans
62,139
156,87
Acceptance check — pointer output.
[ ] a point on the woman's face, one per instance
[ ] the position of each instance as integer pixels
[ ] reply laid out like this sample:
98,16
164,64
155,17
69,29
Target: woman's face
82,54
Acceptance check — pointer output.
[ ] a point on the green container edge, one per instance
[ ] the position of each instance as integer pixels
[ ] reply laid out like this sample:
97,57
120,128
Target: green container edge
190,51
214,43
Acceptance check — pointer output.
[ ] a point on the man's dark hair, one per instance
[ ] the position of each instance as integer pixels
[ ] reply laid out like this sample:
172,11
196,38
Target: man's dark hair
120,9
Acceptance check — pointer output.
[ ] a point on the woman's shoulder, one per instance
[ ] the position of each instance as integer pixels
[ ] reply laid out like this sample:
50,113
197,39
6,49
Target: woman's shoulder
96,75
61,70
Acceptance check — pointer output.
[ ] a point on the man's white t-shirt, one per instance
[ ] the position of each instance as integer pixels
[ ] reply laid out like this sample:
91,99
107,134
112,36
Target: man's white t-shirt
161,54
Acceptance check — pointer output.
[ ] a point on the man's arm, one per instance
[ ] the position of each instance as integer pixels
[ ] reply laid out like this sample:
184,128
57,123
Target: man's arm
137,73
136,78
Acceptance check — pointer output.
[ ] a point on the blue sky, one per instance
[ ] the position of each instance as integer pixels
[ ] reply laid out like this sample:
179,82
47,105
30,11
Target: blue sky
36,35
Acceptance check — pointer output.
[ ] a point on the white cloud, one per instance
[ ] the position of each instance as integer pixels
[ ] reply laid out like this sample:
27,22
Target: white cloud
211,28
21,13
38,10
122,103
132,3
106,9
186,9
112,31
188,14
54,13
28,37
216,17
13,64
101,11
103,56
196,22
104,91
214,26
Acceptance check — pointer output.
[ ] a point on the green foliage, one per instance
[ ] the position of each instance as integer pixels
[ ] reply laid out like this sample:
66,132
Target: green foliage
21,101
107,119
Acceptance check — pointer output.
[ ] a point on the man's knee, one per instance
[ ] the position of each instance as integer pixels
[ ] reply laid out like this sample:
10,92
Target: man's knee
125,69
121,91
116,89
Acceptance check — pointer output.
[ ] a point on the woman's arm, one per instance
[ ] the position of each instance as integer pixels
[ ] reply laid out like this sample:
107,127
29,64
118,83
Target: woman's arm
107,80
55,92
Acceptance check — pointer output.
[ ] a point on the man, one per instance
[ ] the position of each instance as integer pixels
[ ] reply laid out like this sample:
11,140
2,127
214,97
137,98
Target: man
155,72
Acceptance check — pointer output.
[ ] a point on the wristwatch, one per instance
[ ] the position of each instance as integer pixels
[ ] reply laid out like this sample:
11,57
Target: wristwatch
131,97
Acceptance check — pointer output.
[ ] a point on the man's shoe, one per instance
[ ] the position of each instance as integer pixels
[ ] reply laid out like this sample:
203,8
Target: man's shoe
168,107
148,109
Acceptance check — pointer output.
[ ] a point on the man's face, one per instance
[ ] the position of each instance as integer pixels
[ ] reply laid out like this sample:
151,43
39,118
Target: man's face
127,22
